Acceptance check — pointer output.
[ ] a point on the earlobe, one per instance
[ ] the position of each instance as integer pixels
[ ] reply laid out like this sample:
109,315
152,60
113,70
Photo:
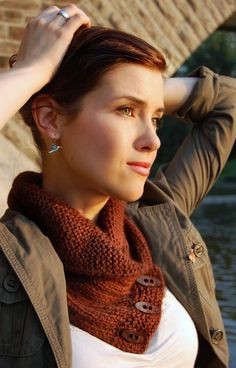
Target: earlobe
46,116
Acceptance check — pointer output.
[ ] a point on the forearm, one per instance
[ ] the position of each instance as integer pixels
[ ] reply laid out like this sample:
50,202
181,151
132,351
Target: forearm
44,44
16,87
176,92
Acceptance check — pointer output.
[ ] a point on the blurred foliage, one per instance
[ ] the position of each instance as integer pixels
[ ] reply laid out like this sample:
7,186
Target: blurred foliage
229,170
218,53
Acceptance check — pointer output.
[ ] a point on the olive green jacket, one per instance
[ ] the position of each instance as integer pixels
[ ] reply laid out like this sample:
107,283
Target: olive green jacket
34,324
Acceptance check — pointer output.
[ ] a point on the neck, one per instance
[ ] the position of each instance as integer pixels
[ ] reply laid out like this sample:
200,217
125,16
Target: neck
88,203
89,210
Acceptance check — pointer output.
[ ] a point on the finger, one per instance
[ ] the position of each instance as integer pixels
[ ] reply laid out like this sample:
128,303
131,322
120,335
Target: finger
51,10
75,14
76,21
45,17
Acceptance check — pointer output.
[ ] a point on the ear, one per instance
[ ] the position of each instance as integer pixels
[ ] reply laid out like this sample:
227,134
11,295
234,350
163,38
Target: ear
46,117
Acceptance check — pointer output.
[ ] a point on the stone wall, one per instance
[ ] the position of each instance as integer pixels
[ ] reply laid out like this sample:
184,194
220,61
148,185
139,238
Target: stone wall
177,27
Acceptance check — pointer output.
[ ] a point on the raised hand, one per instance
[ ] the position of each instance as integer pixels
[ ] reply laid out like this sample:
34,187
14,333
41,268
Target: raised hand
47,38
43,46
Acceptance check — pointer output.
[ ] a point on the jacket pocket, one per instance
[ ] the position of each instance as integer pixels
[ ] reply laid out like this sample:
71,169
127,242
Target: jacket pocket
21,334
201,264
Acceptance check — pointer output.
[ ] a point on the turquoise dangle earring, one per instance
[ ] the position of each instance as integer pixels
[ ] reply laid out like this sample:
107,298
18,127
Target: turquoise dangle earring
54,147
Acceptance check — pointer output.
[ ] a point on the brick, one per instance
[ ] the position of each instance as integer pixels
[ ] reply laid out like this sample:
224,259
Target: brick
223,10
16,33
11,16
59,3
192,19
95,15
62,3
8,48
4,64
3,31
23,5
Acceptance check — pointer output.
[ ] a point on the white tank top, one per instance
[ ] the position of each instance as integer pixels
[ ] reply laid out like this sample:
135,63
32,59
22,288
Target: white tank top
174,345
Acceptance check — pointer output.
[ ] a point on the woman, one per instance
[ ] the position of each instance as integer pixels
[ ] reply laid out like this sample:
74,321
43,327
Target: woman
136,279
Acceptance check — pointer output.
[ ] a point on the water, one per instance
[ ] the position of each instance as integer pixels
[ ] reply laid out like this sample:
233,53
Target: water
216,220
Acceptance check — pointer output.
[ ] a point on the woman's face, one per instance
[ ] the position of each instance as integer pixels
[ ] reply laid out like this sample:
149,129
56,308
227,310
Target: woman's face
110,146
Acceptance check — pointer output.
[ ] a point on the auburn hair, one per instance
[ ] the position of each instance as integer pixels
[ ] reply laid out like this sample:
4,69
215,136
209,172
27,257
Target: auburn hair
92,52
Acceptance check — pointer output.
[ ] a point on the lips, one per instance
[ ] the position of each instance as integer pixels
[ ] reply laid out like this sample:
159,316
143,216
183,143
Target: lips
140,167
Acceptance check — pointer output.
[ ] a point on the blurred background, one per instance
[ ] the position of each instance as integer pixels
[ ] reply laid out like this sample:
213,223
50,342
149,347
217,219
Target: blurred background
191,33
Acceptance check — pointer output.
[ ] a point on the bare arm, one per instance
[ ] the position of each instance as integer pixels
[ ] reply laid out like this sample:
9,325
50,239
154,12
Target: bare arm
176,92
16,87
44,44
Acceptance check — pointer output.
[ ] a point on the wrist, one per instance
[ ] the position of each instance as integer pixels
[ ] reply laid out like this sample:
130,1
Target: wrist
34,76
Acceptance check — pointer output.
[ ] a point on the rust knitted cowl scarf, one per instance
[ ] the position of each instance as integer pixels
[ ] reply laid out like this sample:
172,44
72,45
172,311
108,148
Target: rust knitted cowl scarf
114,290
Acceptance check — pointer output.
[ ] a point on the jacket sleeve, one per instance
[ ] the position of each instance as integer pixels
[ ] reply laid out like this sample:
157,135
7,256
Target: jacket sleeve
211,108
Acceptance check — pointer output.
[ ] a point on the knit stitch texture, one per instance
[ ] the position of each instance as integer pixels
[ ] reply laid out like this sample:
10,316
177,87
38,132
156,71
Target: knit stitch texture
102,263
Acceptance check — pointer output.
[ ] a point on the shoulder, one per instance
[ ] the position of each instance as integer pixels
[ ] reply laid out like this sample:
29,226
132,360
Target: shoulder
21,239
13,224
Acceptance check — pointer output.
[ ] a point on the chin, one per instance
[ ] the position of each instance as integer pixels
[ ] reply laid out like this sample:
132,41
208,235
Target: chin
131,195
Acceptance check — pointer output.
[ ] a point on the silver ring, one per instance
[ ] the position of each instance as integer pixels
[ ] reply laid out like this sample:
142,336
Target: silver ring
64,14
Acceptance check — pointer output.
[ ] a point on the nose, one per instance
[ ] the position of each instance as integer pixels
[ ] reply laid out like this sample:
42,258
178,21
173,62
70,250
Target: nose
148,139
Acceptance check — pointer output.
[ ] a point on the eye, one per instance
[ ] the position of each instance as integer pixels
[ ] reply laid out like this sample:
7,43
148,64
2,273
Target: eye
126,110
157,122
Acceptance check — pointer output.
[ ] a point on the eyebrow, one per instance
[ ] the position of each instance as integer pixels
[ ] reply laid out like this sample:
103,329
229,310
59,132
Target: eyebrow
138,101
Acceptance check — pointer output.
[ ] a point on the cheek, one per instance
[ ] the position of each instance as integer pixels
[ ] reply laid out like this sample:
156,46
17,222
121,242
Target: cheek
113,142
106,134
96,138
